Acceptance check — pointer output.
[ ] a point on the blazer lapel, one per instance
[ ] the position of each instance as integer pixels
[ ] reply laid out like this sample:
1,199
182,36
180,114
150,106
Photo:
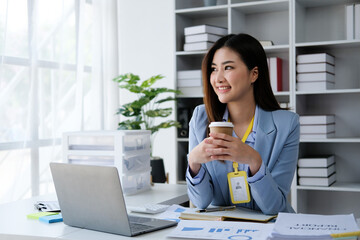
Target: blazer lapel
265,135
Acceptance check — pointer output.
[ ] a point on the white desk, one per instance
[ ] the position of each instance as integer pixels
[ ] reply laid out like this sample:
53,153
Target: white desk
15,225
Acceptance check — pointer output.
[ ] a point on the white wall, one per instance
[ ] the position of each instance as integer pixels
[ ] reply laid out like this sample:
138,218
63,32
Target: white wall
147,43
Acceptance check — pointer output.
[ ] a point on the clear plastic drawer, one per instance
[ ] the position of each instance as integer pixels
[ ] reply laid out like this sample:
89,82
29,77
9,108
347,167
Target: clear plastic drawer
135,163
135,183
86,142
91,160
135,142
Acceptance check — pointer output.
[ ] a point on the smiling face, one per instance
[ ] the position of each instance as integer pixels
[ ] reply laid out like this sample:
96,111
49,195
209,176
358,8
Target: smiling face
230,77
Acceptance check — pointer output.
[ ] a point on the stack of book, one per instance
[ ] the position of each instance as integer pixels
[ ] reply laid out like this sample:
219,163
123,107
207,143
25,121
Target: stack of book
189,78
352,21
202,37
275,72
317,171
315,72
317,126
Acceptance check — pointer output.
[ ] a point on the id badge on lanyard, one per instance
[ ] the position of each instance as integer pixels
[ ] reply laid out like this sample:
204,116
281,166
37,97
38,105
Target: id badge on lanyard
237,180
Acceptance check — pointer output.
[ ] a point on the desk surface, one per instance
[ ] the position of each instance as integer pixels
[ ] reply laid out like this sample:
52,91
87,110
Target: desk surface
15,225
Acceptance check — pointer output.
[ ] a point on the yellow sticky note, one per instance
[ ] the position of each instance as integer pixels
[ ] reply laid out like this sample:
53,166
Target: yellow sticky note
40,214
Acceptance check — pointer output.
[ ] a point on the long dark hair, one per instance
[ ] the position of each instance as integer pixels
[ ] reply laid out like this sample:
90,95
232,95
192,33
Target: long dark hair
252,54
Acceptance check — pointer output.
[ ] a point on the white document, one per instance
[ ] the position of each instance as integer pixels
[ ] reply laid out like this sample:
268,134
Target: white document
291,225
221,230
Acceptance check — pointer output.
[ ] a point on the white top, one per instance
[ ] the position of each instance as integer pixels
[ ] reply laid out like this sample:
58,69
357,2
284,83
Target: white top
221,124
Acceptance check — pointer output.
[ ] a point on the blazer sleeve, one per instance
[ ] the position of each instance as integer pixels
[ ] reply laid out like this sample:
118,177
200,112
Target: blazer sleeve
270,192
200,194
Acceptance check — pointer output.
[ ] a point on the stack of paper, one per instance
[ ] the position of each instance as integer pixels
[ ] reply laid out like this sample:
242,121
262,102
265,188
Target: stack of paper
189,78
315,72
317,126
311,226
202,37
317,171
275,72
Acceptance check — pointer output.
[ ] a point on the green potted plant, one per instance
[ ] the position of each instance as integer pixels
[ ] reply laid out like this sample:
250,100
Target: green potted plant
142,112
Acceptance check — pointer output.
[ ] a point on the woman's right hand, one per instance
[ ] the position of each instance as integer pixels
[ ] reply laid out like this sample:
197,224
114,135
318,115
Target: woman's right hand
198,156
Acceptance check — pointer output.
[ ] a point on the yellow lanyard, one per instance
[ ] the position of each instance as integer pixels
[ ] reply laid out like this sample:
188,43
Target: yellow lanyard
247,133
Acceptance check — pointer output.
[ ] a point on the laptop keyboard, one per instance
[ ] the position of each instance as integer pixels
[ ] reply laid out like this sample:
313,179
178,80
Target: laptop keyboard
138,227
135,219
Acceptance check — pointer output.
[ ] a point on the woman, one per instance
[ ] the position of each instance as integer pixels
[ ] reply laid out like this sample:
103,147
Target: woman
237,89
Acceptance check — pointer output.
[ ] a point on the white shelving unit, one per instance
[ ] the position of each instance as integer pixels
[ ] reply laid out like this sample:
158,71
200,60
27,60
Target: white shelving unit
295,27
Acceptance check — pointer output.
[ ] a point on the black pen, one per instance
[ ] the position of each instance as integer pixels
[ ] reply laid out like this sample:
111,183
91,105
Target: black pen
216,209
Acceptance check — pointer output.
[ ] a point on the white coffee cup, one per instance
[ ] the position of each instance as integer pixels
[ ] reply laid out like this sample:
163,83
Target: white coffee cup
221,127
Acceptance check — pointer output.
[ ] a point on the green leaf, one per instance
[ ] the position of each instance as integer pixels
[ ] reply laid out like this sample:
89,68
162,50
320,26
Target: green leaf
166,100
162,112
130,125
127,78
149,82
167,124
132,88
157,91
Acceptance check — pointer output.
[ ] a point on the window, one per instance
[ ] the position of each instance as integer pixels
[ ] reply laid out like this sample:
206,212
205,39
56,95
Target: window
47,87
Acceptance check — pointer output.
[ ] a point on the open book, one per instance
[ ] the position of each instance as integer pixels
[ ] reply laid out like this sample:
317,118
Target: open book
239,214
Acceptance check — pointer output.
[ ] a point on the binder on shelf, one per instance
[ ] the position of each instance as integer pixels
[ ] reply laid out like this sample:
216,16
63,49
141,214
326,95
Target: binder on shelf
198,46
315,77
357,21
315,58
318,128
205,28
317,119
349,21
316,171
314,86
275,69
189,74
315,67
204,37
313,162
317,181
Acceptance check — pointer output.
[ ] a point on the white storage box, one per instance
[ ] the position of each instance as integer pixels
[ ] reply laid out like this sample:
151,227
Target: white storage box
134,183
128,150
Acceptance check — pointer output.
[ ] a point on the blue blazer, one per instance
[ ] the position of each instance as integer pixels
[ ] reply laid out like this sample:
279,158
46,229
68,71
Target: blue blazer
277,141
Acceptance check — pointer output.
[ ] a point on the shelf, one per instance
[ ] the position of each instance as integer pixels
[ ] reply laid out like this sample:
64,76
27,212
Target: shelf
183,139
184,53
322,3
261,6
284,93
277,48
330,44
203,12
296,27
333,91
337,186
331,140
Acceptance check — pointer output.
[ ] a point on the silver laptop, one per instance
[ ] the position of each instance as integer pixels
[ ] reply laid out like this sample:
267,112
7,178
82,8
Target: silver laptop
91,197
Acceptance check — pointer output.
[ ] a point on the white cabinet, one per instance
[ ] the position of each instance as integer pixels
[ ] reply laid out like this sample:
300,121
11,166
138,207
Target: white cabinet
128,150
295,27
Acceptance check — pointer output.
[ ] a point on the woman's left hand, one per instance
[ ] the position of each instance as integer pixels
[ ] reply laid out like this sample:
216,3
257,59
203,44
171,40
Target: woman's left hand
233,149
